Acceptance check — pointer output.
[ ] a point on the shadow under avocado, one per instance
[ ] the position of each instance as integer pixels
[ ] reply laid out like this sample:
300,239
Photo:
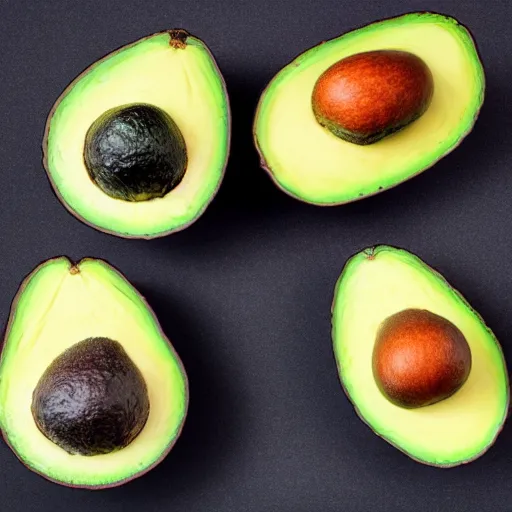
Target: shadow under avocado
248,195
246,186
206,444
466,165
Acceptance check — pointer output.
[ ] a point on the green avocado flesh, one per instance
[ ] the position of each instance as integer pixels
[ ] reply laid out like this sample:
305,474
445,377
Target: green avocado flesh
379,282
176,74
311,164
84,327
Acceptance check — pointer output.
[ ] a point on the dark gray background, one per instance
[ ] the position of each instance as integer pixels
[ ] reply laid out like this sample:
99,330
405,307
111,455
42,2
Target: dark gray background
245,293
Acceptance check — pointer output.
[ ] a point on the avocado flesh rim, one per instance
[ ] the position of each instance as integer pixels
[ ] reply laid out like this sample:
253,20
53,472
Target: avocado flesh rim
183,81
313,165
57,307
377,283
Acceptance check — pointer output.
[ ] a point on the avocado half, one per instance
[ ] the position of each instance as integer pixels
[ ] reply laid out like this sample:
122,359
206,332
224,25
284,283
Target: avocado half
311,164
379,282
174,72
59,307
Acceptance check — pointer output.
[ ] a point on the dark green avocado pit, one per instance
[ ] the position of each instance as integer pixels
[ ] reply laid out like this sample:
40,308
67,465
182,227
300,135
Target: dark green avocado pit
92,399
135,153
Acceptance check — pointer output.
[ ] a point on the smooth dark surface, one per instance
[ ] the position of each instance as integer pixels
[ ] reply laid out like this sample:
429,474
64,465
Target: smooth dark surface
244,294
135,152
92,399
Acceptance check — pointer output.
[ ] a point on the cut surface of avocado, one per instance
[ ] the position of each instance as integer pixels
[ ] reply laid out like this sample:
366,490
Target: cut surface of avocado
379,282
170,71
310,163
59,305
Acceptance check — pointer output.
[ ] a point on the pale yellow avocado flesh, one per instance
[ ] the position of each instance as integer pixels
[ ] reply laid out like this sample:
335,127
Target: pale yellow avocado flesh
312,164
56,308
378,283
187,85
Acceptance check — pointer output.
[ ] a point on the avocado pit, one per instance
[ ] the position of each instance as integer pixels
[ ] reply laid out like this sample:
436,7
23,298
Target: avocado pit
368,96
92,399
135,153
419,358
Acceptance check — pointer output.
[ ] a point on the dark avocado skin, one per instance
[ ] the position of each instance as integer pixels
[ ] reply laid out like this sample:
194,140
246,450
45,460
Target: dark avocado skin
135,153
92,399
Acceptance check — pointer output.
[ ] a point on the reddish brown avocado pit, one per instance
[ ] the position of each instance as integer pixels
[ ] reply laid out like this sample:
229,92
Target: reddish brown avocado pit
92,399
368,96
419,358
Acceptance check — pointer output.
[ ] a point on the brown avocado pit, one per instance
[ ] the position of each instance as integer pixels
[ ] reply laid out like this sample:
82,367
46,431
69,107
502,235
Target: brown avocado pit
135,153
368,96
419,358
91,399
